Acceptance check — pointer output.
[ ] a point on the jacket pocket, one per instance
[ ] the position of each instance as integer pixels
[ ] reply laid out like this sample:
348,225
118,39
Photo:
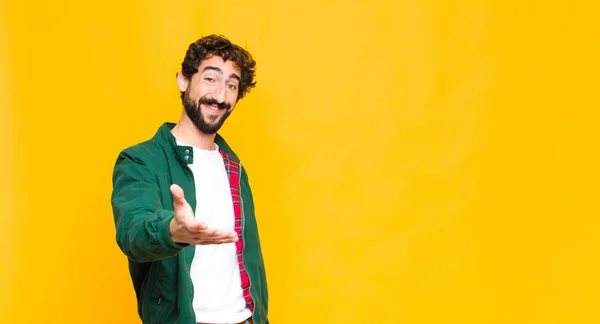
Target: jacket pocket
150,302
162,295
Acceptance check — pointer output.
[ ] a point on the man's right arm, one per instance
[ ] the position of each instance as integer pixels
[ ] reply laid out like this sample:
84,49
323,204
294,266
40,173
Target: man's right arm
142,223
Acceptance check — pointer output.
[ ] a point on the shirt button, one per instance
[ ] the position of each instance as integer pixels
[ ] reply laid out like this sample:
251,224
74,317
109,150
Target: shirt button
187,151
186,157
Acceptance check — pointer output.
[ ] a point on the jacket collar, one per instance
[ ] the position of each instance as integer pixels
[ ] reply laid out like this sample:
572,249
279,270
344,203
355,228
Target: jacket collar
185,154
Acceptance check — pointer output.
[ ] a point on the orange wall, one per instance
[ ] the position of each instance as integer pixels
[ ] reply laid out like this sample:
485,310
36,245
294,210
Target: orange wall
417,162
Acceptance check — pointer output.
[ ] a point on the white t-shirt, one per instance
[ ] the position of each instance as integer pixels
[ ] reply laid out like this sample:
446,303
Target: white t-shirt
215,273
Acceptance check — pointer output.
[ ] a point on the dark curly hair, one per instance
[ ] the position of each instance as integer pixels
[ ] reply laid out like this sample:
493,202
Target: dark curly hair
218,45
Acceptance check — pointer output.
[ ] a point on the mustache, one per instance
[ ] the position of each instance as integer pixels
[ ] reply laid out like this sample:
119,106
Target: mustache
212,101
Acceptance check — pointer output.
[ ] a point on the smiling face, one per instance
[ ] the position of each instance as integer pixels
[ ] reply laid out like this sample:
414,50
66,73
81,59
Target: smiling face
211,93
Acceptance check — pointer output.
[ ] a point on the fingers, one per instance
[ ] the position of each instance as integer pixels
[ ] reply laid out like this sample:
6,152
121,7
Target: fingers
197,226
213,236
217,234
217,241
201,229
223,241
178,197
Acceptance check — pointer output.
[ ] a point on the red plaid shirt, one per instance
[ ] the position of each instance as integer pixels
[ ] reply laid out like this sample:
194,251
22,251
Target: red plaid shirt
233,173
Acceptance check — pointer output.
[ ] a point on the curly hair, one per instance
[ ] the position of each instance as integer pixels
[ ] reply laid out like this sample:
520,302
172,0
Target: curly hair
218,45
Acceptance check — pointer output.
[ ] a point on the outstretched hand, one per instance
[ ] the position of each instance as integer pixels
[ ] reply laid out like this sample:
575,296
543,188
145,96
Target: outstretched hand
185,228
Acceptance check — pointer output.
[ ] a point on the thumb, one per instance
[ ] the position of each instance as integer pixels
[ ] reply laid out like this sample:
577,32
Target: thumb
178,197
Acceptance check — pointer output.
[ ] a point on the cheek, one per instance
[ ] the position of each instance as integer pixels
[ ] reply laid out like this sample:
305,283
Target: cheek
197,90
232,97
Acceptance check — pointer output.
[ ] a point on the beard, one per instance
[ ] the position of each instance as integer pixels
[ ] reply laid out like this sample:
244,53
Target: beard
194,112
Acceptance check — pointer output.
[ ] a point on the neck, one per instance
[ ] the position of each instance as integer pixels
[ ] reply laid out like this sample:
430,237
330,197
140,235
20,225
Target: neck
185,131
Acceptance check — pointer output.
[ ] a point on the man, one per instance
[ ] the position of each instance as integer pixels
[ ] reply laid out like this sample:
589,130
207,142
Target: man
182,205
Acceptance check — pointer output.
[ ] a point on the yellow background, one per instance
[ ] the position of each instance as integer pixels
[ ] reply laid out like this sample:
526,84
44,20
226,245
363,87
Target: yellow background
412,161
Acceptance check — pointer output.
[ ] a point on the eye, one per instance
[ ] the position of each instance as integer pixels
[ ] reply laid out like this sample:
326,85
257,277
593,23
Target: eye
232,86
209,79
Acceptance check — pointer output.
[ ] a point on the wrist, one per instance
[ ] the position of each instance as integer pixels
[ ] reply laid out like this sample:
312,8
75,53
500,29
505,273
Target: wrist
173,230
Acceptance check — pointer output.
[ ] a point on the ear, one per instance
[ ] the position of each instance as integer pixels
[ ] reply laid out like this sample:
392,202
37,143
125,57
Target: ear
182,82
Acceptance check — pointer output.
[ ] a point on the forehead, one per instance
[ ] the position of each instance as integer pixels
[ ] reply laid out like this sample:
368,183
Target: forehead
227,67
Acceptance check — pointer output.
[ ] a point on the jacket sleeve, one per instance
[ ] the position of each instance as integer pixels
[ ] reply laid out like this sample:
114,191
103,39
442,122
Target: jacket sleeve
142,224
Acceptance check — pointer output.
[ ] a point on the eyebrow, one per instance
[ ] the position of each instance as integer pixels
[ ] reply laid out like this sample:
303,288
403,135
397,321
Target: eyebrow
214,68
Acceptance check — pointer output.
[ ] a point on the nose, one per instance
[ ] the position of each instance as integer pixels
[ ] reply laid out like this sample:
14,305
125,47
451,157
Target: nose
220,94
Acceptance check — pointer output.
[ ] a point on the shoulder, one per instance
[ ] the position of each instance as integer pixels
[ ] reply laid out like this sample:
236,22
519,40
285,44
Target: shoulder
154,148
148,153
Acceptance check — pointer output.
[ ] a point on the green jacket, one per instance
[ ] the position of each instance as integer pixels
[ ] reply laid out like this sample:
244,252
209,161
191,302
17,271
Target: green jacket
143,208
